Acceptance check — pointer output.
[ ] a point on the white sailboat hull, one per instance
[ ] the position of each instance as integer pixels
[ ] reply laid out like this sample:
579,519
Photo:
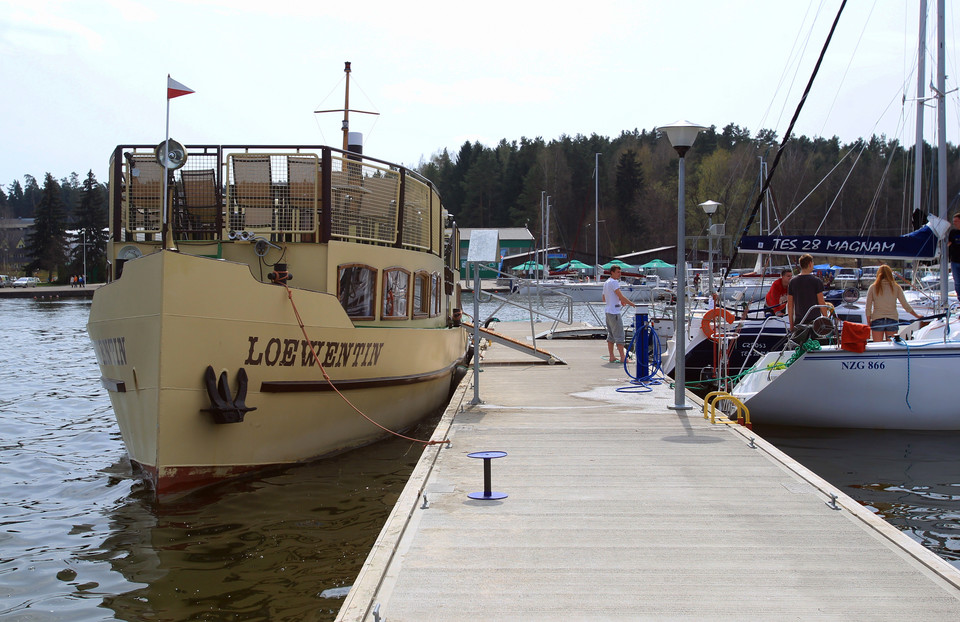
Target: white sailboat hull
889,386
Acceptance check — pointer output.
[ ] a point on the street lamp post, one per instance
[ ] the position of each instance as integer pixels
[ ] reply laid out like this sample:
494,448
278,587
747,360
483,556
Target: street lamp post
710,208
681,135
84,257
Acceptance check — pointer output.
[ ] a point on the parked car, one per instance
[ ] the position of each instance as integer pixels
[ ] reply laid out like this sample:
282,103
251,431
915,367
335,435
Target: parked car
26,281
5,281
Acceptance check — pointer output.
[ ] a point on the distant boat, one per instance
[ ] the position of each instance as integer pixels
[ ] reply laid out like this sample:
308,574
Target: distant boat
584,291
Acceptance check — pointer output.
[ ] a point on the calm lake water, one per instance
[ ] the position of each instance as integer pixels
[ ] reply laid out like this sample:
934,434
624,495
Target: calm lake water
81,539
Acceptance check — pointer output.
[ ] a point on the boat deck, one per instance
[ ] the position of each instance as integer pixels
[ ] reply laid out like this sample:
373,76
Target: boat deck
619,507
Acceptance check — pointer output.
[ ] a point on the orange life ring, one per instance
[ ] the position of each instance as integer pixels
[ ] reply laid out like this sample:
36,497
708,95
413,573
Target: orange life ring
708,324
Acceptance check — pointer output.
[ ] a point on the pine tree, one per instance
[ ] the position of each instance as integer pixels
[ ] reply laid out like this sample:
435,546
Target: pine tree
31,198
14,198
47,240
91,219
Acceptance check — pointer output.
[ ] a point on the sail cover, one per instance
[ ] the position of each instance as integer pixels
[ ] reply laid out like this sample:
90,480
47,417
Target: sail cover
920,244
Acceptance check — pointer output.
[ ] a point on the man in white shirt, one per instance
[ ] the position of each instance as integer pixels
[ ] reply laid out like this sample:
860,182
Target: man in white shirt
613,299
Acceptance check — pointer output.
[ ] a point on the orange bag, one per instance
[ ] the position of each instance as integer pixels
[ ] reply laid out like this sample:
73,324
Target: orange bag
853,336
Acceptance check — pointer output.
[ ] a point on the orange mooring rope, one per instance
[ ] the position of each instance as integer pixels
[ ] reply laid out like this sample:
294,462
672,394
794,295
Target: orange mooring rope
303,329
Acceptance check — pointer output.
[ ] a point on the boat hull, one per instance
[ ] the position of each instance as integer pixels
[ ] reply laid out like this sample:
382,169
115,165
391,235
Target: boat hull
888,386
593,292
157,329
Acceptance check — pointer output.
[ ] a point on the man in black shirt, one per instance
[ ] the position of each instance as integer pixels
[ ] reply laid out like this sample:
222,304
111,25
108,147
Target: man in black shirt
953,249
805,291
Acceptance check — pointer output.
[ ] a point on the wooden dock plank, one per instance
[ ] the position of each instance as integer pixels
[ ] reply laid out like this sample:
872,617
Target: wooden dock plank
619,507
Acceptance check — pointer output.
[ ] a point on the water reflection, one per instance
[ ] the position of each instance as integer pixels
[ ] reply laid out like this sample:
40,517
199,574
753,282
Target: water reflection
82,539
910,478
258,548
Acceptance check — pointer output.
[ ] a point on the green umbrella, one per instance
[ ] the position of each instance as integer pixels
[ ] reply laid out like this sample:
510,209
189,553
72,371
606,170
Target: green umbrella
574,265
530,265
616,262
657,263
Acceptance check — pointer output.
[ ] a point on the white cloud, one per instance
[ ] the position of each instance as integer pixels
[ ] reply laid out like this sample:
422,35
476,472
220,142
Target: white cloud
43,26
472,91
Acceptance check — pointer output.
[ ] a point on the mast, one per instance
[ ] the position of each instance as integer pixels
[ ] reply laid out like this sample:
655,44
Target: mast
346,105
346,108
546,244
536,257
941,93
921,92
596,217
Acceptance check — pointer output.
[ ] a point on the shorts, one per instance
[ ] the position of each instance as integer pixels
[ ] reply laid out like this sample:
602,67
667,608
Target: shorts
615,328
885,324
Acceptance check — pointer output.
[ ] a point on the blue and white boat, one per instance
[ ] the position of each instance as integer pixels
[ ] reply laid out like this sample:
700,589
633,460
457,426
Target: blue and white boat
895,385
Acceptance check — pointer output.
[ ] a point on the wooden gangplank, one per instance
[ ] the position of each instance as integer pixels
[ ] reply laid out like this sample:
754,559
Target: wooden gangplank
519,346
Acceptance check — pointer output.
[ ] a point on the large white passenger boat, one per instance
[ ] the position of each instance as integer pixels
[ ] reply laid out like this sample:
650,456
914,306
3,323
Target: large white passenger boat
286,303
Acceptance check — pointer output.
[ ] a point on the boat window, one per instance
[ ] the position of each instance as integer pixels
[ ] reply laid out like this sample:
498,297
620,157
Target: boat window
421,294
356,290
396,290
435,295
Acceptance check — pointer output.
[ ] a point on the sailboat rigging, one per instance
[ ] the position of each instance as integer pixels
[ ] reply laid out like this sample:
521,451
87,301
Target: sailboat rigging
879,385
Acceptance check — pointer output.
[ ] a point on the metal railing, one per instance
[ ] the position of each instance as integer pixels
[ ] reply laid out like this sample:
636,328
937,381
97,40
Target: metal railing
290,193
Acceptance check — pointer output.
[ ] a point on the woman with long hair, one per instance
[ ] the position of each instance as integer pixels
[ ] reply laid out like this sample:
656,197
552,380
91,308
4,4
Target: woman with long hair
882,300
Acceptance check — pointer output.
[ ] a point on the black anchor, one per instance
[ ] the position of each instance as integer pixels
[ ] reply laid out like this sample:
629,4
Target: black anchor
224,408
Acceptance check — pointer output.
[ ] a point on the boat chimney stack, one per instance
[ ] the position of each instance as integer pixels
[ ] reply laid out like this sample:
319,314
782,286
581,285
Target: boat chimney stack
355,142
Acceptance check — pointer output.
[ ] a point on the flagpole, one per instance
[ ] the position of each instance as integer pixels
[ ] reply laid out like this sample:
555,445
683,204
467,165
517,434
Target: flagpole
163,164
174,89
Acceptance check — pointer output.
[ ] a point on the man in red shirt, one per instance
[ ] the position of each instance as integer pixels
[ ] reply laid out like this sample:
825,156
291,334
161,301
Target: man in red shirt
777,295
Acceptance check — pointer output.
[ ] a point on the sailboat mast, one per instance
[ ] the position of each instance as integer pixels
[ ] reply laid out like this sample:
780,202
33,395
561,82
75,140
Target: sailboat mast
942,142
596,217
921,92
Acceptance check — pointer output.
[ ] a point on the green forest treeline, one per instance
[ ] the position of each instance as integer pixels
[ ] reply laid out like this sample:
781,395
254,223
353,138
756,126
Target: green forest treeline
841,189
864,187
68,229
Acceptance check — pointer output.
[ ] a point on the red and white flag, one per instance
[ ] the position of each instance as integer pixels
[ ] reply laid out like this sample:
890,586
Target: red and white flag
175,89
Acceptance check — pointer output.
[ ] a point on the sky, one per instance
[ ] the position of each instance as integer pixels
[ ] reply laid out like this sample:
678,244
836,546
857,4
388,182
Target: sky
82,76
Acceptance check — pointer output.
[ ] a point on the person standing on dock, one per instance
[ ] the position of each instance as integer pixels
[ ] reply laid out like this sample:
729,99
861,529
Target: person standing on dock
613,300
804,292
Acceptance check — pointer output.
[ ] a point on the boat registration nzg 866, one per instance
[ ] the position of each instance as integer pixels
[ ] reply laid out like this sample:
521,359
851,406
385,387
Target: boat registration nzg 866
271,305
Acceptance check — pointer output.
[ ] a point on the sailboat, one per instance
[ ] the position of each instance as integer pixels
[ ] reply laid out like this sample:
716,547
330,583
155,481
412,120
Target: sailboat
285,304
900,384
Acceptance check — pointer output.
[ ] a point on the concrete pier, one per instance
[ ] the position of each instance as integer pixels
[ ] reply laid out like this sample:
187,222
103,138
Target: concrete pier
620,508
